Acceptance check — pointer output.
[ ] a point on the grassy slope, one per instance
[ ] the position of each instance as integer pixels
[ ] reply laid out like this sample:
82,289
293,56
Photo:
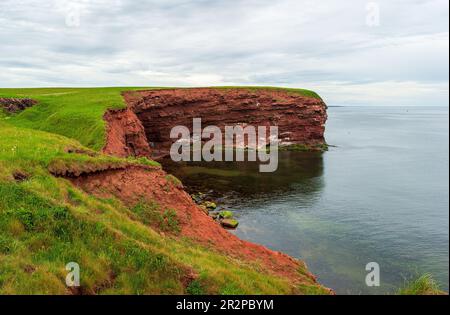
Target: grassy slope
74,113
46,223
424,285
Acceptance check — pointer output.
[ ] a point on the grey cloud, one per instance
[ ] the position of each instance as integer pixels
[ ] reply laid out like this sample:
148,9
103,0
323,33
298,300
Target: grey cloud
322,45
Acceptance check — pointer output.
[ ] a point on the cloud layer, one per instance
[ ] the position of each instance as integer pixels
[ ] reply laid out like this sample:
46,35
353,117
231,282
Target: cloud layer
327,46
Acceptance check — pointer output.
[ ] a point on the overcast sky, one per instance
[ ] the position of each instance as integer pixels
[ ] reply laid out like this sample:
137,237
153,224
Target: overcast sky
342,49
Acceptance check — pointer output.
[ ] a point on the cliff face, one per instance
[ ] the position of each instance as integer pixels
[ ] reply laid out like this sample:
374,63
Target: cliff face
301,119
125,135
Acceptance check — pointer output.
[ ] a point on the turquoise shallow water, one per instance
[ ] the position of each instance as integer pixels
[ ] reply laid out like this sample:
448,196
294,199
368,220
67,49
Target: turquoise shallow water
381,195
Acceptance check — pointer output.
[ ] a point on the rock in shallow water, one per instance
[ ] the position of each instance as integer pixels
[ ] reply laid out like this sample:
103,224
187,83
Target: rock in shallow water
214,215
229,223
226,214
210,205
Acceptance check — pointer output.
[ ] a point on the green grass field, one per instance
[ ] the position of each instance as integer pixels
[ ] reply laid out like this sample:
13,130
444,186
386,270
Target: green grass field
45,222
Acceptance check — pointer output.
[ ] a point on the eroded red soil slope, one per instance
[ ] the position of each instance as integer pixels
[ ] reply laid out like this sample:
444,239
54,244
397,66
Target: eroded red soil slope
135,184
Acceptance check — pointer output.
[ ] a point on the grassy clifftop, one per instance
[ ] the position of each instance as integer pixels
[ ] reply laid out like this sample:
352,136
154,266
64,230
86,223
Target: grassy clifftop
46,223
74,113
77,113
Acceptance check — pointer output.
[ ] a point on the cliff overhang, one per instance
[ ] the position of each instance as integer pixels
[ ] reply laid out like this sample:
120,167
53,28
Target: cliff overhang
144,128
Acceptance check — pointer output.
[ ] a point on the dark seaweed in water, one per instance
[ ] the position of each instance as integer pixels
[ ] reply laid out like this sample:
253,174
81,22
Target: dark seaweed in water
235,182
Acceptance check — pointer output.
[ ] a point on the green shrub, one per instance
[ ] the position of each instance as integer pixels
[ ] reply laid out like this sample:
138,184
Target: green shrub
195,288
150,214
7,245
169,221
424,285
173,180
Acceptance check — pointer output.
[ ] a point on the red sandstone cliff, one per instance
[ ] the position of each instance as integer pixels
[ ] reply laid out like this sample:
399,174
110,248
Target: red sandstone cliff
300,119
150,117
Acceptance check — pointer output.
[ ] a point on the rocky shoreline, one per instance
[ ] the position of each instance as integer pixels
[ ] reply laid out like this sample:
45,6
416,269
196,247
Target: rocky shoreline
220,214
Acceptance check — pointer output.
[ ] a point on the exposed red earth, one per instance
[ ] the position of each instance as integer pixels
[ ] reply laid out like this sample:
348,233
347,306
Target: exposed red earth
150,116
134,184
125,135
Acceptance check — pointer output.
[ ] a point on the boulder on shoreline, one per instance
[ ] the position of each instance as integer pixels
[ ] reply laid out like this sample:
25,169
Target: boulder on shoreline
226,214
229,223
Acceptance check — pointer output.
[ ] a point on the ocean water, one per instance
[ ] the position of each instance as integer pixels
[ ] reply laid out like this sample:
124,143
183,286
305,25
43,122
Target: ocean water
380,194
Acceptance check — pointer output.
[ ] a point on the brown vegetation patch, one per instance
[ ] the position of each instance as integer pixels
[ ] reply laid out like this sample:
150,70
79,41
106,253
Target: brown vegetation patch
72,150
16,105
60,168
20,176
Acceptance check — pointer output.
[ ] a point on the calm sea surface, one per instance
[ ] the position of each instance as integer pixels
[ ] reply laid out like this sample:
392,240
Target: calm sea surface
381,195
